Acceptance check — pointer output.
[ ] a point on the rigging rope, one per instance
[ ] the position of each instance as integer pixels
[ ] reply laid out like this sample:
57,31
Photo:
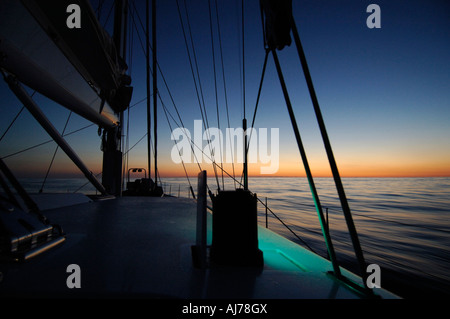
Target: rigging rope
215,86
54,154
284,224
98,11
109,14
397,263
46,142
12,122
244,121
51,140
192,144
202,108
257,102
204,113
163,78
259,94
88,182
224,84
179,152
126,142
243,57
165,82
15,118
239,43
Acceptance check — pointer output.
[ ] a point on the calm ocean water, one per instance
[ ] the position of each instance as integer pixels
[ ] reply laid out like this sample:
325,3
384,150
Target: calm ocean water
403,223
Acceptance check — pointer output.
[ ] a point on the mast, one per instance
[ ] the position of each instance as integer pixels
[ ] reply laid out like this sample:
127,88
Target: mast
147,31
244,121
112,153
155,89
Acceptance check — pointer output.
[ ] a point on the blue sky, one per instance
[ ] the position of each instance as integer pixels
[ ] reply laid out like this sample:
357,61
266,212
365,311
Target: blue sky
384,93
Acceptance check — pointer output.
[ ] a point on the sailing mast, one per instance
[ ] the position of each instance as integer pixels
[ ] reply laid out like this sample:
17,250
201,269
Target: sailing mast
244,121
155,89
112,155
147,31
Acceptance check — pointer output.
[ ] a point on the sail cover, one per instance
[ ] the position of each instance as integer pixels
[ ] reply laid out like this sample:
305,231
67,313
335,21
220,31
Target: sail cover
83,63
88,47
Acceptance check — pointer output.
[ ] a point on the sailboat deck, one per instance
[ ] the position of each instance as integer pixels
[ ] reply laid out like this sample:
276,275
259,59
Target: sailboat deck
141,247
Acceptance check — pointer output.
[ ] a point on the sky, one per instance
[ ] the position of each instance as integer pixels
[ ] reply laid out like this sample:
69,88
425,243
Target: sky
384,92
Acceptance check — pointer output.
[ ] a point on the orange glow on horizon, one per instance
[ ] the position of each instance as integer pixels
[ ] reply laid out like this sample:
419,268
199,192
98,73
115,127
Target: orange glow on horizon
177,172
297,170
439,168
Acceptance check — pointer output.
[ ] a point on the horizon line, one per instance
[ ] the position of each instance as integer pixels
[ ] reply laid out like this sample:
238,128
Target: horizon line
69,176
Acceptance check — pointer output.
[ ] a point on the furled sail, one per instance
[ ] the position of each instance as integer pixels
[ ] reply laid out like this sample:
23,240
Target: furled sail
88,47
79,68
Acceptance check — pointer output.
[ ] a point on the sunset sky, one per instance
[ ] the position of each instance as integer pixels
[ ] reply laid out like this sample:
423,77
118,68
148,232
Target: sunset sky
384,93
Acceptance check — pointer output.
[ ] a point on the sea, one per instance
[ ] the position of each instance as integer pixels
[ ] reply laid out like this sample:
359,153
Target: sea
403,224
